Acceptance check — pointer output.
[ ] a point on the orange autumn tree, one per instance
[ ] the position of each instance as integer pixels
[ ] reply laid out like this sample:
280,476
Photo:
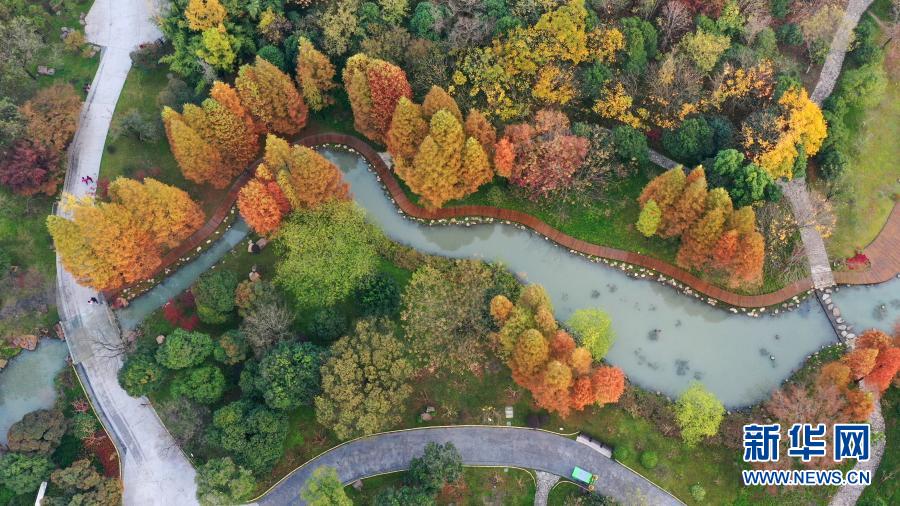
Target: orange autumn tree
545,359
227,133
271,97
291,177
199,160
226,95
108,245
306,177
259,208
884,366
478,126
860,361
374,87
714,236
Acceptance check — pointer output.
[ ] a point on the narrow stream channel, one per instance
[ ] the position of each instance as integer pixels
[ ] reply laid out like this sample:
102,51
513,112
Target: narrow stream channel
665,339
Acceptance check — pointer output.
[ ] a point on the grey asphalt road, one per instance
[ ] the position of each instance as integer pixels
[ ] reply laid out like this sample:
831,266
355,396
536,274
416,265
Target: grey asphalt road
486,446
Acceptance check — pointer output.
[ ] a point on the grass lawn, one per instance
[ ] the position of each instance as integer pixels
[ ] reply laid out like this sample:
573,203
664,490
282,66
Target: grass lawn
872,180
488,486
885,487
23,233
71,67
127,156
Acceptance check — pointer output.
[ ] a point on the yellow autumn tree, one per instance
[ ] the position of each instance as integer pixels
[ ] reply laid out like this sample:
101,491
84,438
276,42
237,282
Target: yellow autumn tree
204,14
446,166
408,130
198,159
476,168
524,64
168,213
614,103
799,124
76,254
436,99
315,75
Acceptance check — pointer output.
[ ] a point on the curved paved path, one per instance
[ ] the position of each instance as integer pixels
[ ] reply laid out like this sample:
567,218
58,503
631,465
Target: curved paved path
796,190
154,469
485,446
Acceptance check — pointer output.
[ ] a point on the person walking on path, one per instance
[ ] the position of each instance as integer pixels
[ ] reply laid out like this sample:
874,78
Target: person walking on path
93,300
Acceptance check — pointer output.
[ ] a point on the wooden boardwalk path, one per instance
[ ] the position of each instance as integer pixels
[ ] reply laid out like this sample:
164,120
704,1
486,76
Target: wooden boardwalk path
884,254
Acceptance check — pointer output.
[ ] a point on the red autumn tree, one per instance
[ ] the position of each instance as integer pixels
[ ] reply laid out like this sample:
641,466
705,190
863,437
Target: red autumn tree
374,87
546,154
887,364
29,169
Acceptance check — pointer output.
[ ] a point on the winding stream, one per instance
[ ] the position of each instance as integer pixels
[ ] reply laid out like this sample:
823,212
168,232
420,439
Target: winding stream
665,339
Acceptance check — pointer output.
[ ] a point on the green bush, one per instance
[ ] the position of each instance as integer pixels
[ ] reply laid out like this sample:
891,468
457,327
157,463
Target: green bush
698,492
649,459
691,142
287,376
214,295
252,433
68,451
84,425
272,55
221,481
630,144
183,349
378,295
766,44
780,8
24,473
327,325
790,34
140,375
231,348
204,384
622,452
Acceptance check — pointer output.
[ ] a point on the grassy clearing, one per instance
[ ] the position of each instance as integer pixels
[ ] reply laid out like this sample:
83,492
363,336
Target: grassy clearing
128,156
